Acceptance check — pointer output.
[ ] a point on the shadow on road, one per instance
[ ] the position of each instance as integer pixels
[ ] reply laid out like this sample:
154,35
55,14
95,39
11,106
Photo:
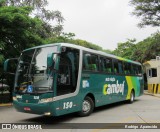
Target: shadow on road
110,106
48,120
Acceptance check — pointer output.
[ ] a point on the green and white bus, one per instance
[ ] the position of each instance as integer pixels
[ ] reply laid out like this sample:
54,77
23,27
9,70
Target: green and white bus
58,79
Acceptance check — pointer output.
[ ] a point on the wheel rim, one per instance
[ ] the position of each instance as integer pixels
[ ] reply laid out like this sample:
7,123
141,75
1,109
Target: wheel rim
132,97
86,106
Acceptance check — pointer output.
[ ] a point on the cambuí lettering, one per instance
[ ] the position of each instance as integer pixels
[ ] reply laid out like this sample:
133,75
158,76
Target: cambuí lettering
114,88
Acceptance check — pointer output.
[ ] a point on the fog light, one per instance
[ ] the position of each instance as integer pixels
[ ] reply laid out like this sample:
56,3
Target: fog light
47,113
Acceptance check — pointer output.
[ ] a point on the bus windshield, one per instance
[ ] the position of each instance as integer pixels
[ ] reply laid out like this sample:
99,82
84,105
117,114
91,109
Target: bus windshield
32,73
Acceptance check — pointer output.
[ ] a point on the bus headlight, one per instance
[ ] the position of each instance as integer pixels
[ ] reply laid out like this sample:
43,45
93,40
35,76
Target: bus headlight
14,98
47,113
45,100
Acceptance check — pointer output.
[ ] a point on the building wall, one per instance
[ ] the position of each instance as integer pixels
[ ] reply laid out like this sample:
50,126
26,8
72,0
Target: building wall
153,82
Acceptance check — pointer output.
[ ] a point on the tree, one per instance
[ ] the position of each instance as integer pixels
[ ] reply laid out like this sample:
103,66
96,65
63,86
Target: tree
148,11
39,9
42,13
108,51
142,51
125,49
24,23
148,48
153,48
69,38
18,30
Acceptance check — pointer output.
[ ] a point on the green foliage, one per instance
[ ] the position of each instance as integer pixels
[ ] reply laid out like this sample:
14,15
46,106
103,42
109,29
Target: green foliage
85,44
18,30
125,49
148,11
39,11
107,51
68,38
141,51
148,48
25,23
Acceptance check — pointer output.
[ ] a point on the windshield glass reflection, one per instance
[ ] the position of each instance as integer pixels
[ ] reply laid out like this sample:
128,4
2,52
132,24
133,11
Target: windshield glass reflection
32,76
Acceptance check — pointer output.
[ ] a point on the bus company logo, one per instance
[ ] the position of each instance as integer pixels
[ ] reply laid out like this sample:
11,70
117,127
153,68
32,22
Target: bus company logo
113,88
85,84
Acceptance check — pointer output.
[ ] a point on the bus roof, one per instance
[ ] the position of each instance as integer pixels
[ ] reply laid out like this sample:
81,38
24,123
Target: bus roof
85,49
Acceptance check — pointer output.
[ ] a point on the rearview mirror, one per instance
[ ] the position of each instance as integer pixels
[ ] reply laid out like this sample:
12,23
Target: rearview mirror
10,65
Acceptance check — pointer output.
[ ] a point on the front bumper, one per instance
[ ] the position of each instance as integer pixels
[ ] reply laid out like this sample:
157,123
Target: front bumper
35,108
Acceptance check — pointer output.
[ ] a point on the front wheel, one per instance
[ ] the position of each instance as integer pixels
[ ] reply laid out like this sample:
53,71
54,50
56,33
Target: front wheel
87,107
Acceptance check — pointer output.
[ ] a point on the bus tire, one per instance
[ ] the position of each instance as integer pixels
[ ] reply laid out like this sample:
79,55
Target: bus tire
87,107
132,97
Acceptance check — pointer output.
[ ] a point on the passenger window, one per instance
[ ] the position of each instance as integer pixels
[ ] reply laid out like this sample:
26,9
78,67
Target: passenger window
134,70
120,66
137,70
90,62
115,64
106,65
127,68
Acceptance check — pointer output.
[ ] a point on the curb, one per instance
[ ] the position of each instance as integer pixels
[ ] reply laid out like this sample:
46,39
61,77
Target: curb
8,104
156,95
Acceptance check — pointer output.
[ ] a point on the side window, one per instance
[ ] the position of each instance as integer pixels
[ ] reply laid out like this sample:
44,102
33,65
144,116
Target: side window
136,70
127,68
115,66
106,65
120,67
140,70
152,72
90,62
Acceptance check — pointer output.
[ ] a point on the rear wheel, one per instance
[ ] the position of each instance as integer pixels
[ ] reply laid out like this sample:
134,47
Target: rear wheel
87,107
132,97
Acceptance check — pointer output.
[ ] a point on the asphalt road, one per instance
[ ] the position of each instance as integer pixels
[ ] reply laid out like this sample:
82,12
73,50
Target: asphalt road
145,109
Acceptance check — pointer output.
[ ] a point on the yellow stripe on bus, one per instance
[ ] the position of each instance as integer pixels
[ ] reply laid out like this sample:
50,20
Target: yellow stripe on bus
130,86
